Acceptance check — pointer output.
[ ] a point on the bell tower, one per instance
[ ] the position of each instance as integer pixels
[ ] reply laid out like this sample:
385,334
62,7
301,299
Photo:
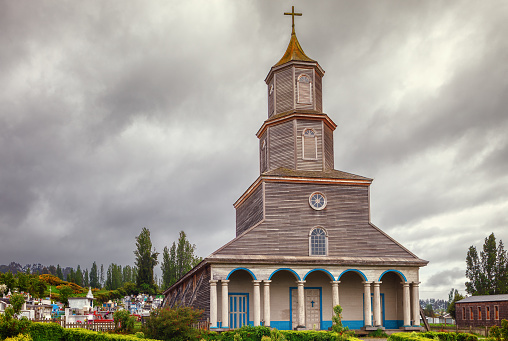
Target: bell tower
297,135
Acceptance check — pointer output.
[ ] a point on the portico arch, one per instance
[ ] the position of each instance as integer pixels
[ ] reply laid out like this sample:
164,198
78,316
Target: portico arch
285,269
392,298
352,270
320,270
351,299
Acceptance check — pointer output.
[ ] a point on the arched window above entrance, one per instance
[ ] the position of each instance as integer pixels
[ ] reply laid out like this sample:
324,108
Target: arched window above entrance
318,242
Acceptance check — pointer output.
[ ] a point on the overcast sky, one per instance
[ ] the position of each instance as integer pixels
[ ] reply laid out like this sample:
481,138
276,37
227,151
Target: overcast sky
118,115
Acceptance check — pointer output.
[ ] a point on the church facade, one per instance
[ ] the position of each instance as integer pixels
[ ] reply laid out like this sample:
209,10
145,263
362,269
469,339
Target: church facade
304,240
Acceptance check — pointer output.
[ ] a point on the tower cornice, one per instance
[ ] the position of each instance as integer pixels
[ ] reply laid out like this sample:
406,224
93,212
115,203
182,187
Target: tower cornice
296,114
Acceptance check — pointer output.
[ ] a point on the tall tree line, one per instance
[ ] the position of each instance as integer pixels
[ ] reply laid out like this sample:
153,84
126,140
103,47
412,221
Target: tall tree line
178,260
488,271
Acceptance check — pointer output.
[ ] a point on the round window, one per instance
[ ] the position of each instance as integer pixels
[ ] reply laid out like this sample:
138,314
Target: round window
317,201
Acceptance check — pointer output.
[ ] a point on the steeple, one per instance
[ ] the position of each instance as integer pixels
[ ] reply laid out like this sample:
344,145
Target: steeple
297,135
294,50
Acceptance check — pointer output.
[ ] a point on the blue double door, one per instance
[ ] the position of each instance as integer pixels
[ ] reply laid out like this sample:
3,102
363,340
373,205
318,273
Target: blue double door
238,310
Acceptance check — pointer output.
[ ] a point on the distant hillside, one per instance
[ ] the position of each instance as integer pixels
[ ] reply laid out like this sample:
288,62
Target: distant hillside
42,269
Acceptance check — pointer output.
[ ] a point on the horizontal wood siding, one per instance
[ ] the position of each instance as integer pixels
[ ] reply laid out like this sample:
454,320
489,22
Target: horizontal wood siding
284,90
289,218
263,154
193,295
281,146
309,73
466,321
309,165
270,100
250,212
328,140
319,92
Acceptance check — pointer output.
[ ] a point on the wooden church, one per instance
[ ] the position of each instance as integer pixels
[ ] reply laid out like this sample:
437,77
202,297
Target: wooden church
304,241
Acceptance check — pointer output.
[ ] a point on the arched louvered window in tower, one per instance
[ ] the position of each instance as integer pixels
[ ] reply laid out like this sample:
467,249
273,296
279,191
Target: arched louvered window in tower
318,242
263,156
309,144
304,88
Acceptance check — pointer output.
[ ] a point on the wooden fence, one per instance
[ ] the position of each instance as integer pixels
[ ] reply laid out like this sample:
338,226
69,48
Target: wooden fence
97,326
484,331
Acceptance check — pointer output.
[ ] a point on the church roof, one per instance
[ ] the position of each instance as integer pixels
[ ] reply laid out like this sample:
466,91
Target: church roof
328,174
294,52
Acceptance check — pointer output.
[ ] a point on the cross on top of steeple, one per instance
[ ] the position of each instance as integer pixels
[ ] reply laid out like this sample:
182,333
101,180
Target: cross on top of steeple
292,14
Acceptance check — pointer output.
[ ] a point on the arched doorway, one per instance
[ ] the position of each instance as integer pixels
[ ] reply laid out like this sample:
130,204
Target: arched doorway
240,296
282,280
391,299
318,299
351,298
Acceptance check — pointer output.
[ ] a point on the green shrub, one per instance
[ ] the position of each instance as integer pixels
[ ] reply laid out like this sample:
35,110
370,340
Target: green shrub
378,333
442,336
88,335
46,331
173,323
20,337
124,322
504,329
10,326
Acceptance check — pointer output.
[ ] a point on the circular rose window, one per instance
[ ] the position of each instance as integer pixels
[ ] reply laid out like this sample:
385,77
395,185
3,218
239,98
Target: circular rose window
317,201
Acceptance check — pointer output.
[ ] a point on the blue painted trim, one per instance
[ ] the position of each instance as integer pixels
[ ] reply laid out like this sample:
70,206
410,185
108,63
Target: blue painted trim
354,270
393,324
281,325
396,271
326,324
320,305
353,324
254,276
248,306
287,269
323,270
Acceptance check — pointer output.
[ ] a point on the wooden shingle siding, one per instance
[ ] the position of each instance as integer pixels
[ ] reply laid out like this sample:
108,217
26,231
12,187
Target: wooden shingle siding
281,146
289,218
328,142
318,92
263,154
309,165
271,99
309,73
250,212
284,90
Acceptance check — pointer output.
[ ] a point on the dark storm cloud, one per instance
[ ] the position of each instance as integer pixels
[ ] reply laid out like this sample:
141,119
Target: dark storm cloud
116,116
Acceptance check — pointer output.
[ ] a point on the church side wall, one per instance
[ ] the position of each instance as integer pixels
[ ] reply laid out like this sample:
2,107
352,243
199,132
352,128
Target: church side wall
281,146
250,212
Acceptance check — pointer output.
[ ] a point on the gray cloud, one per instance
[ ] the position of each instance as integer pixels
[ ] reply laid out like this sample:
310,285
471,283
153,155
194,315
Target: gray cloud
115,117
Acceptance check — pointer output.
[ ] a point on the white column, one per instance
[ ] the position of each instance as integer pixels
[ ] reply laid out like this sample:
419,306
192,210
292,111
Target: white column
406,309
335,293
213,304
366,304
266,297
257,304
301,304
225,305
416,304
377,305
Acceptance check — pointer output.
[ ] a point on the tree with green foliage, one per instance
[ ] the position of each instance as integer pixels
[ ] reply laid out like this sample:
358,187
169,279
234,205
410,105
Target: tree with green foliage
124,322
23,281
453,297
172,323
9,325
94,276
114,277
86,279
101,279
488,272
78,276
59,272
70,276
65,292
166,265
429,310
146,260
37,287
9,280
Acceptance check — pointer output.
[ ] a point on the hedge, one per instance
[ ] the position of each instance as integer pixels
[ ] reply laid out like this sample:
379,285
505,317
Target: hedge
442,336
39,331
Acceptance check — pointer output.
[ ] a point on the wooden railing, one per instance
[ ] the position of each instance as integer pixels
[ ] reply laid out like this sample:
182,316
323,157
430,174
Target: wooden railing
484,331
90,325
